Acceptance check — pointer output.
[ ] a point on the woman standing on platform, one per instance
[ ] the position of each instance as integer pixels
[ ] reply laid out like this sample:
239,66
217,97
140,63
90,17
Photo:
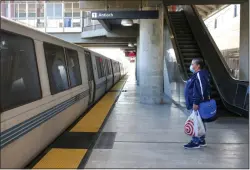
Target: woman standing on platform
193,95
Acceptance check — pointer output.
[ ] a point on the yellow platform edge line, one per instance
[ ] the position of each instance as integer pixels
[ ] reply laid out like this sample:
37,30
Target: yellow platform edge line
119,85
61,159
94,119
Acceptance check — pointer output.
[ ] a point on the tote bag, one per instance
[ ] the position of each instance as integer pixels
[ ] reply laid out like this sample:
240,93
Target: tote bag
207,109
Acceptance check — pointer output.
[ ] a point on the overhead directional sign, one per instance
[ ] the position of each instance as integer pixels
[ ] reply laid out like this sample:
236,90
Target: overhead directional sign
98,15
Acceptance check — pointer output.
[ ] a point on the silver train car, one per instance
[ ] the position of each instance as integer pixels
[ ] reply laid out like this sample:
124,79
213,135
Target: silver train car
46,84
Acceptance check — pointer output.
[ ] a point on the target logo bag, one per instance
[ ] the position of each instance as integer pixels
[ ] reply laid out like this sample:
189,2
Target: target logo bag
194,125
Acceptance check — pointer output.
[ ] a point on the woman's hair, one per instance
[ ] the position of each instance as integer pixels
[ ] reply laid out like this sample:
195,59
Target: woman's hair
199,61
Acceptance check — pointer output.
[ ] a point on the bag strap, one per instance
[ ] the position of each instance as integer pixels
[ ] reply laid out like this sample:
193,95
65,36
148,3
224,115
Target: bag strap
198,75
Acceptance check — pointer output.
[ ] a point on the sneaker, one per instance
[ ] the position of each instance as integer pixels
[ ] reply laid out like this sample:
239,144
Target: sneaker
202,143
192,145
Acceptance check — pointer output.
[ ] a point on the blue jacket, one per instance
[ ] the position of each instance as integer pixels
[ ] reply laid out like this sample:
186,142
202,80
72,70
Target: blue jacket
192,91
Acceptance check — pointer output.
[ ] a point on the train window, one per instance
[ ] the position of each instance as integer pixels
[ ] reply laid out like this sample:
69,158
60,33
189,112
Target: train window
56,66
105,67
119,67
19,74
109,67
102,63
115,67
73,68
89,65
99,66
113,64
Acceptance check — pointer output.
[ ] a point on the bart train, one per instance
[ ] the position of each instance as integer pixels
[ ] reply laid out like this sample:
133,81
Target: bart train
46,84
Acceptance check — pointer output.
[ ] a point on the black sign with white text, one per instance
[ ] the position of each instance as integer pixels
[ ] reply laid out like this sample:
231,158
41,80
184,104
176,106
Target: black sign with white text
96,15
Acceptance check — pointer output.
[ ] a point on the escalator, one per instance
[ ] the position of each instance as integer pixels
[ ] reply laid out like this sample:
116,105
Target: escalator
191,39
189,48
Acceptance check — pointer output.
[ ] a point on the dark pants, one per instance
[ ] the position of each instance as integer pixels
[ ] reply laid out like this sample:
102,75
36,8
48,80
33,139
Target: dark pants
197,139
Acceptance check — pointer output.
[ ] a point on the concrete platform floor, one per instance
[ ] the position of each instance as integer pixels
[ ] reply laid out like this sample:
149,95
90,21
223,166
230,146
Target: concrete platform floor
151,136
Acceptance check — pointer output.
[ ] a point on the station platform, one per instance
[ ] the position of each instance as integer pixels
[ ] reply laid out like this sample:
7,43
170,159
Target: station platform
120,132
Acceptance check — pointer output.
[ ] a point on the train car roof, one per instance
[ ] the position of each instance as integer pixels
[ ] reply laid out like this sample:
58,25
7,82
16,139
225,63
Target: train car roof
21,29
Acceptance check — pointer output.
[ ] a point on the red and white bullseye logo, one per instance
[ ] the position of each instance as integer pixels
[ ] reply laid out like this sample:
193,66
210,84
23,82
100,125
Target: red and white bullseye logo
189,128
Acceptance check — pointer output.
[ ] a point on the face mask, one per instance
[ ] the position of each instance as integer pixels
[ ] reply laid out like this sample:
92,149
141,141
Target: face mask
191,69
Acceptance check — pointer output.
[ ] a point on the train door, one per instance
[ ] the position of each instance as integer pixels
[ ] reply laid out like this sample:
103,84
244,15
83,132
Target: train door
112,69
106,73
91,80
119,67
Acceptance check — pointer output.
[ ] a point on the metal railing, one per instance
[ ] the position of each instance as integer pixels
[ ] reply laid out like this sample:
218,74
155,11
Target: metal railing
92,27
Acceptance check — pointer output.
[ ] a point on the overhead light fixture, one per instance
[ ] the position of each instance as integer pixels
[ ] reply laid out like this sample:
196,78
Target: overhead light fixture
130,45
135,44
127,22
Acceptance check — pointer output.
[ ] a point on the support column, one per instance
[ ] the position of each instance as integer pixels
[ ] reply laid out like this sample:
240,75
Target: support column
137,61
168,72
151,60
244,41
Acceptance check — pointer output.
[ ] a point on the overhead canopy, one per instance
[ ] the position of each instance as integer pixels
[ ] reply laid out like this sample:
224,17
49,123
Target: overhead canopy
205,8
89,5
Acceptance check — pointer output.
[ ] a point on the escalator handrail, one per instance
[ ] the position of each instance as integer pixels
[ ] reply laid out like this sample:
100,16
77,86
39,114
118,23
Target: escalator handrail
206,31
236,82
217,49
178,54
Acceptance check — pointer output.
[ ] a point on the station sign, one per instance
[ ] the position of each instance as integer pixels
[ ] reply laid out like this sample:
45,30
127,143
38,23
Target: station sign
98,15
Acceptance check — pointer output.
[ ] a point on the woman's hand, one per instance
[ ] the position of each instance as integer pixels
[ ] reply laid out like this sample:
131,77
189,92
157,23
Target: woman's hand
195,107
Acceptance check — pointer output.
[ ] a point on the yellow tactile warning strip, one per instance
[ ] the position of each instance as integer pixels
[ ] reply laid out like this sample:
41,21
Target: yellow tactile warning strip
61,158
93,120
118,85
